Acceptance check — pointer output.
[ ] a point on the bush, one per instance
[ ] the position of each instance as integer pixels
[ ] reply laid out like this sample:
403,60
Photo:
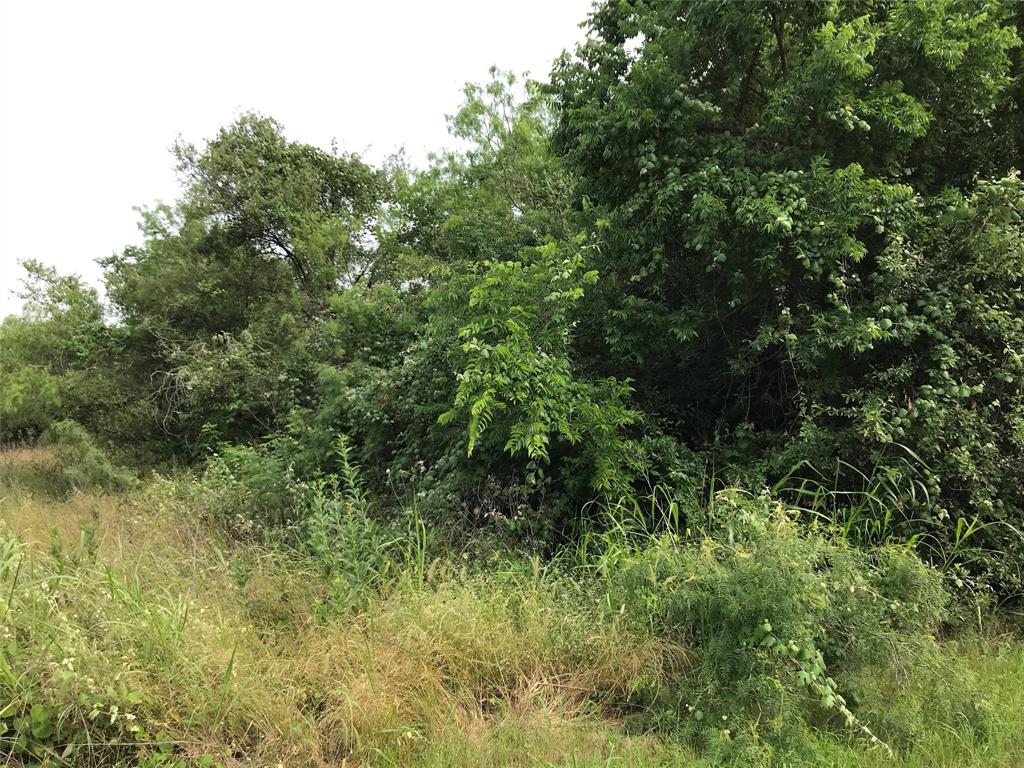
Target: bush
783,626
81,463
29,400
249,490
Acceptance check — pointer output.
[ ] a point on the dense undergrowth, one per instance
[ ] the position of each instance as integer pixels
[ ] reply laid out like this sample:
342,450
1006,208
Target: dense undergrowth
682,407
138,629
752,245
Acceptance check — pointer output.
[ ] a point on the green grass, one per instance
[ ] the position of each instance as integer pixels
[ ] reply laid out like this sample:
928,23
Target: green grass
136,634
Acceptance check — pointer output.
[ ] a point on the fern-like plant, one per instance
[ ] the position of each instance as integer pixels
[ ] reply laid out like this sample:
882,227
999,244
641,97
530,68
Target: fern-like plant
517,373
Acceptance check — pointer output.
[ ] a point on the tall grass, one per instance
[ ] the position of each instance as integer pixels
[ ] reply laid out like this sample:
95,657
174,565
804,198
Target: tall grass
155,640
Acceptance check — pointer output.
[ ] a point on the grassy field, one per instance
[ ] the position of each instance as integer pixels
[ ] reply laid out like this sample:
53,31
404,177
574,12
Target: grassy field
133,633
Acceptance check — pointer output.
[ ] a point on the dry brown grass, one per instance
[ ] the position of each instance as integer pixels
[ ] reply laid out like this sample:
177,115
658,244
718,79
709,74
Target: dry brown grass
235,656
453,671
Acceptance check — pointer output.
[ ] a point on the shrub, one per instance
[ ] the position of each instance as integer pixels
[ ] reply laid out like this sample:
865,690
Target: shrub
250,490
517,371
29,400
81,463
783,625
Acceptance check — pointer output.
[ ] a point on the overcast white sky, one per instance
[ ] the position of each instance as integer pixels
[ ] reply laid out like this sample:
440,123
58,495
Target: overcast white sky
93,94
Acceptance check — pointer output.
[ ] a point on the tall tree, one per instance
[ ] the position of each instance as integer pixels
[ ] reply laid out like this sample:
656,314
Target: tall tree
813,240
224,305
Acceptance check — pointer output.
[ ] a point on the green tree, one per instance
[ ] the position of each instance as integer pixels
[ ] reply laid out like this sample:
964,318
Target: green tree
812,229
55,355
501,190
277,200
226,307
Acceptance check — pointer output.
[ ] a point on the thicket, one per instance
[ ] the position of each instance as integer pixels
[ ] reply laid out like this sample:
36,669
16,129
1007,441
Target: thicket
771,249
360,636
768,245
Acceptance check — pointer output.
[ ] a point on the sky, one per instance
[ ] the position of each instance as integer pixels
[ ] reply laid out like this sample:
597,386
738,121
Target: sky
93,95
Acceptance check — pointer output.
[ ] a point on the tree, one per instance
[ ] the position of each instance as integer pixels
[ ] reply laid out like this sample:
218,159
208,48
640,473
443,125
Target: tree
813,236
54,357
281,200
226,307
502,190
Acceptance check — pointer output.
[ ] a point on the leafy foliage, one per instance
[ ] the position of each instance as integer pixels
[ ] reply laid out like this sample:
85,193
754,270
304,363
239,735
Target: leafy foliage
685,393
782,623
224,305
53,357
808,222
517,344
813,239
82,464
